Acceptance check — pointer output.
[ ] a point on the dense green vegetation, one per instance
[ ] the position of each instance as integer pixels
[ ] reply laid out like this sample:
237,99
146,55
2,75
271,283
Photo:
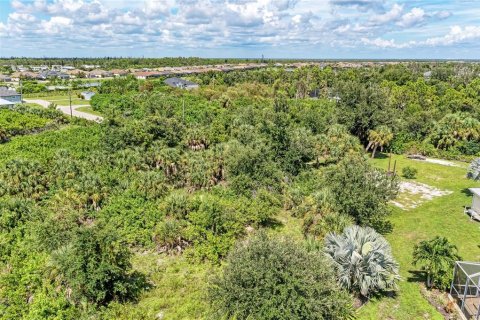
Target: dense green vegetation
270,279
24,119
111,220
111,63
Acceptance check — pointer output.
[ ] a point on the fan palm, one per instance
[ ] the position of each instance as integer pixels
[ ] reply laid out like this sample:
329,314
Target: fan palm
474,170
437,257
363,260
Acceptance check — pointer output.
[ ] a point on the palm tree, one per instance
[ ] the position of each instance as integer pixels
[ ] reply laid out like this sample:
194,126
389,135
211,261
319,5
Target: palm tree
363,260
379,137
437,257
3,136
474,170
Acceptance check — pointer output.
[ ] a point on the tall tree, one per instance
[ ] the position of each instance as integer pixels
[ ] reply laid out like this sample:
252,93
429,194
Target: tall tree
379,137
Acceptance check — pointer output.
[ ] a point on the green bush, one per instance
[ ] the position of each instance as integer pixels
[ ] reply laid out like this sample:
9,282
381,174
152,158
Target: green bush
361,190
95,265
409,172
277,279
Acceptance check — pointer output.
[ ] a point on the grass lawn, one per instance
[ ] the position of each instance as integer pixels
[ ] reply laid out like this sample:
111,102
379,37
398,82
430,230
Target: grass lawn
182,296
441,216
65,101
89,110
179,289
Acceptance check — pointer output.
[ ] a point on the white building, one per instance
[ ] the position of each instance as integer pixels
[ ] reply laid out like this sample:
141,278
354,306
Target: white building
476,199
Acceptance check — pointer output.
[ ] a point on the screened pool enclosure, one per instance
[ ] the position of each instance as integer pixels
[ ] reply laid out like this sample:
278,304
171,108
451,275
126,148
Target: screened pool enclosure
465,288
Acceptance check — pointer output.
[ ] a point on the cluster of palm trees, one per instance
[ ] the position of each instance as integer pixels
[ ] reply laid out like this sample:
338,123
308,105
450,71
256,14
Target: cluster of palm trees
453,128
379,137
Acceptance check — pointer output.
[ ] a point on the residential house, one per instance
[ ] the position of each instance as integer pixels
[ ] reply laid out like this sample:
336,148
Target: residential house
6,103
17,76
142,75
39,68
10,95
90,66
180,83
5,78
45,75
76,73
91,84
97,73
87,95
119,72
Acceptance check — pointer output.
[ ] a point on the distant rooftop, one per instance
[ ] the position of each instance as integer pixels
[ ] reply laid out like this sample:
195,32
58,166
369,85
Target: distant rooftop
5,92
179,82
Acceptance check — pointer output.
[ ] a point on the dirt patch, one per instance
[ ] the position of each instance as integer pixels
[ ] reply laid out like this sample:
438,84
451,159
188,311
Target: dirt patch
413,194
439,161
439,300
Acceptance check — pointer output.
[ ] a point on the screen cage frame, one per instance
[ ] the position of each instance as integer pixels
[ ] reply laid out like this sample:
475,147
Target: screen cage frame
465,288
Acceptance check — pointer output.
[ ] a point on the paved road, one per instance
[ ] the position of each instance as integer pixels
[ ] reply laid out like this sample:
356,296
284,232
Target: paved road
66,109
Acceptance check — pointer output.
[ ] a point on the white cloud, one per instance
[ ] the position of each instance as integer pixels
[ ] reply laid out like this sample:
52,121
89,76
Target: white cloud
384,44
456,35
442,14
183,24
56,25
412,18
392,15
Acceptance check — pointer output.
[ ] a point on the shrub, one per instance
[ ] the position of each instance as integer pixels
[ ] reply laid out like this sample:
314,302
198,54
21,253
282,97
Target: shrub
169,234
96,266
409,172
437,257
363,260
277,279
360,190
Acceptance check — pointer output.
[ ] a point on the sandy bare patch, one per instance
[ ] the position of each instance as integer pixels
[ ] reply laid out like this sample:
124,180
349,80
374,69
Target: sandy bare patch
413,194
440,161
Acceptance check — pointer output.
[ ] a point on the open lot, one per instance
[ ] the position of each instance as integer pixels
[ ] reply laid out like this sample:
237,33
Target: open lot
440,215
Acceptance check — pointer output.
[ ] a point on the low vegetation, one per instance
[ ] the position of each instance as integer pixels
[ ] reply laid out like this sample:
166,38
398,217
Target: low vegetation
131,218
278,279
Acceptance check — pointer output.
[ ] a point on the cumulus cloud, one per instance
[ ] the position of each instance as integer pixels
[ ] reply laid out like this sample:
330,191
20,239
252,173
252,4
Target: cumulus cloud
392,15
225,24
456,35
362,5
412,18
382,43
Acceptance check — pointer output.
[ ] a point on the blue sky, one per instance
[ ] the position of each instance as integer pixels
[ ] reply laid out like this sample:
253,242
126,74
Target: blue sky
242,28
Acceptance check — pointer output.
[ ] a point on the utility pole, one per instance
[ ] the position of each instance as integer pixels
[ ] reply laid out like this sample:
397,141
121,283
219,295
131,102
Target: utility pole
21,91
70,98
183,110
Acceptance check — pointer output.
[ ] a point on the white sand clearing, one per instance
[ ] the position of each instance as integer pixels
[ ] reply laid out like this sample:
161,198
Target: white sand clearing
440,161
413,194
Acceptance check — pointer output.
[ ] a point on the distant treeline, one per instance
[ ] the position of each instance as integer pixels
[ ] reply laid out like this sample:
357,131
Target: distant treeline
112,63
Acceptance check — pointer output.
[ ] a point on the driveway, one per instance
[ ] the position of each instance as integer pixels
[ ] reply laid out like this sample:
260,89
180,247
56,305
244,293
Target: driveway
66,109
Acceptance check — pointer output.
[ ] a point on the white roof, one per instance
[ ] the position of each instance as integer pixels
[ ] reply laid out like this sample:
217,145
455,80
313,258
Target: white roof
4,102
475,191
